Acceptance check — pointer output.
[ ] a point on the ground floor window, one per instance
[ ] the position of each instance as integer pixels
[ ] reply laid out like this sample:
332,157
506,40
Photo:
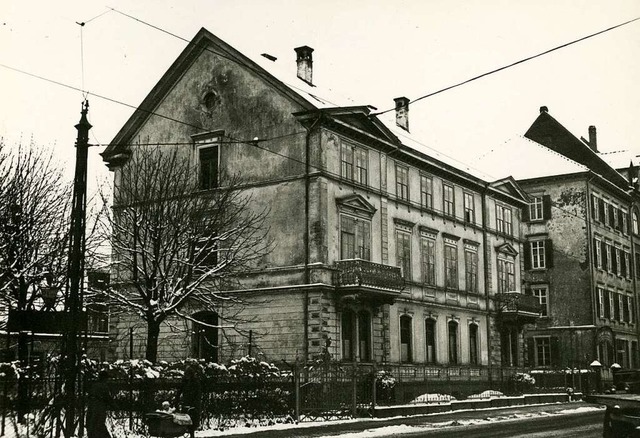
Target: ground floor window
356,335
430,337
509,347
543,352
205,336
473,344
605,353
453,342
405,338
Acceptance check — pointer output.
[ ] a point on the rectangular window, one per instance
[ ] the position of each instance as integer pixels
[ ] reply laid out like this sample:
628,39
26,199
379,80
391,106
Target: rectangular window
541,292
471,270
354,163
402,183
469,210
430,337
608,257
426,191
601,302
543,352
448,200
506,275
625,222
595,212
611,219
429,261
637,264
627,264
618,265
631,310
403,253
451,266
208,157
355,238
620,309
598,252
347,162
535,209
625,308
504,223
361,171
537,254
613,305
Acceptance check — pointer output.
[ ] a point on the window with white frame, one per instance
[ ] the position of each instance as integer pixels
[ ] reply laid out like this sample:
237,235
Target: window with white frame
469,209
595,211
448,200
636,222
402,182
542,294
504,223
612,305
619,261
542,351
535,209
426,191
598,253
621,303
631,310
608,257
537,254
355,238
601,304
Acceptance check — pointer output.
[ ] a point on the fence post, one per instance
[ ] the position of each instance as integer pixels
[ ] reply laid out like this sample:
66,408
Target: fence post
130,378
373,390
354,387
296,385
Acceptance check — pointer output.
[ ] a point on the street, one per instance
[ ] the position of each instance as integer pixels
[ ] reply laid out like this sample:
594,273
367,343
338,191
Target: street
581,424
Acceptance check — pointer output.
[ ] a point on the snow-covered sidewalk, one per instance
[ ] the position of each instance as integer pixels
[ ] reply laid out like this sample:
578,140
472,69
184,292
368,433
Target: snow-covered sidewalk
368,427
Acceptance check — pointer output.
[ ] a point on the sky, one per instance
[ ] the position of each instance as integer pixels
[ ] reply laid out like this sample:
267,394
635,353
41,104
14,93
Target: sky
372,51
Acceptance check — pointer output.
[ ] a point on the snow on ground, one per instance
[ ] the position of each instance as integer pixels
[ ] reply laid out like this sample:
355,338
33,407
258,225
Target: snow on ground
401,429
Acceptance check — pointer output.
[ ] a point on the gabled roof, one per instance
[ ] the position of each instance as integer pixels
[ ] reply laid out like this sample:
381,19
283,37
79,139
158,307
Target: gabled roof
549,132
311,98
510,187
357,203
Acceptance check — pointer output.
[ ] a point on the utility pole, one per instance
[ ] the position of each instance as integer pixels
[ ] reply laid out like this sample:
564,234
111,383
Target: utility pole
76,267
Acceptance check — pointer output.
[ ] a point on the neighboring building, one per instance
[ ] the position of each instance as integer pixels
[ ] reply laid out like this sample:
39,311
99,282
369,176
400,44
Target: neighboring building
581,232
384,253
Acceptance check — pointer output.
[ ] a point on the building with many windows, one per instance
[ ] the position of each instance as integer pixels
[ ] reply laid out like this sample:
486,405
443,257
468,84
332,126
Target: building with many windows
580,235
384,253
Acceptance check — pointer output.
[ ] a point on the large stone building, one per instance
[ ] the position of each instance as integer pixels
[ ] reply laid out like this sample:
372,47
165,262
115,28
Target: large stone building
383,252
581,232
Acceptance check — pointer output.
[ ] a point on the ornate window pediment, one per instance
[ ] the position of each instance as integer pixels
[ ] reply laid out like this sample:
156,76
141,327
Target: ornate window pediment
507,249
356,204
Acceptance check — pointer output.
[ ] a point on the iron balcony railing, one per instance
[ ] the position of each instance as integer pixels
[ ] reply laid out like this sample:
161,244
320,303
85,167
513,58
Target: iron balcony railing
516,302
359,272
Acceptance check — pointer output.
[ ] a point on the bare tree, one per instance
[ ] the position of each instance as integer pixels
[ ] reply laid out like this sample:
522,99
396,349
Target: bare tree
174,245
34,207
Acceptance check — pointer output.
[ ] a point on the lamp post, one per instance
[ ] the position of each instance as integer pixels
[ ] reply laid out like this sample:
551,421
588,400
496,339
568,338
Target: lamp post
597,367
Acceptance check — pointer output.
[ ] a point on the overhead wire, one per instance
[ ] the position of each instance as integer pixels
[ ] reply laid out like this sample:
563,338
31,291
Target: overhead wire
513,64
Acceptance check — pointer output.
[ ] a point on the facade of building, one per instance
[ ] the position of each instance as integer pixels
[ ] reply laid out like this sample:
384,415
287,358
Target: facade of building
580,246
383,253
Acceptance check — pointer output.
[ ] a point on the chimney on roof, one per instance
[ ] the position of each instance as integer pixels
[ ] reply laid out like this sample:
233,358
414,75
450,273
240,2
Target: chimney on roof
402,112
544,109
593,139
304,59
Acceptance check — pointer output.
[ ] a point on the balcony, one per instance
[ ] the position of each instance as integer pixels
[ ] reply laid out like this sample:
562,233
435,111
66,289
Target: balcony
517,307
367,281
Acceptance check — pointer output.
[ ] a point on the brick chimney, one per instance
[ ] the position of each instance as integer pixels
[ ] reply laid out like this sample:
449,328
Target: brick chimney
402,112
593,139
304,59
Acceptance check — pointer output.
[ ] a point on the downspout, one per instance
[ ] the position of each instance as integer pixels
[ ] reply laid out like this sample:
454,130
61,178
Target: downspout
592,268
487,283
307,250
